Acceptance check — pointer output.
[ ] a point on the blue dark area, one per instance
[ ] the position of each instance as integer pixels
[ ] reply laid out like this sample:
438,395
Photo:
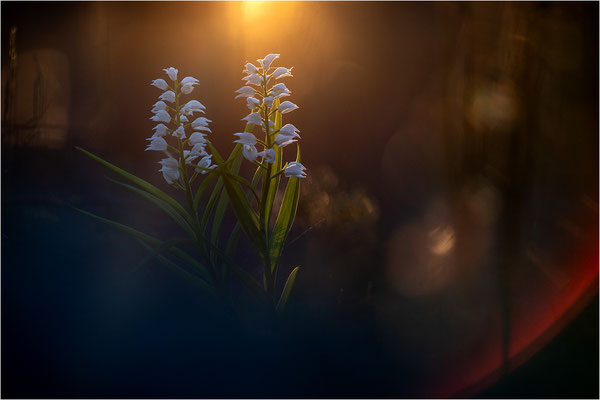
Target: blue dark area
81,318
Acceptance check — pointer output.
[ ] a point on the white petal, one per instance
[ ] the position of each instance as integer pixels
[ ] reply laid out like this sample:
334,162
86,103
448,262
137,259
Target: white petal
161,116
172,73
290,130
197,138
253,79
160,130
245,91
249,152
282,72
252,102
268,101
286,107
168,96
245,138
269,155
253,118
187,89
250,69
157,144
189,80
266,62
180,132
160,83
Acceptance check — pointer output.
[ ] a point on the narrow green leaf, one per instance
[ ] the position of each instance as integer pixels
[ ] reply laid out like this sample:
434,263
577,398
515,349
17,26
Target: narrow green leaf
138,181
195,280
287,290
183,221
239,203
205,183
152,240
273,168
285,219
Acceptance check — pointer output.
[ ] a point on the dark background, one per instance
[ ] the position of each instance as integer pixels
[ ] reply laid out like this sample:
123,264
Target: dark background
447,233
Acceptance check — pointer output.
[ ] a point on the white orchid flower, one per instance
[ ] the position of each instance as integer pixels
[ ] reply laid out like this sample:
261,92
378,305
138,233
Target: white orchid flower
253,79
187,88
249,152
250,69
172,73
268,155
245,138
268,101
295,169
188,84
189,80
191,107
289,130
159,105
180,132
266,62
286,107
280,90
200,122
245,91
168,96
253,118
170,170
283,140
160,83
160,130
205,162
157,144
282,72
252,102
161,116
197,138
199,150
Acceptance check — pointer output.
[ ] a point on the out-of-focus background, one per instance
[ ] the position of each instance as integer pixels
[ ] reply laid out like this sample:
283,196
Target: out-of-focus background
447,232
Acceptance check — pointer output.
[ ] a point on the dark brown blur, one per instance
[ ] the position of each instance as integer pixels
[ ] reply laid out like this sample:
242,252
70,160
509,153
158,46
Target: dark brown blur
451,202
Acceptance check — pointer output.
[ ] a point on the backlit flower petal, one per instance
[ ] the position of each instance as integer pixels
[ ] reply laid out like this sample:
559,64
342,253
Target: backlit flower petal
160,83
266,62
245,91
245,138
269,155
253,118
168,96
172,73
249,152
161,116
286,107
157,144
282,72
